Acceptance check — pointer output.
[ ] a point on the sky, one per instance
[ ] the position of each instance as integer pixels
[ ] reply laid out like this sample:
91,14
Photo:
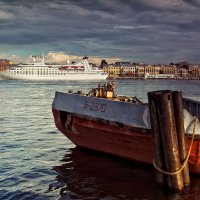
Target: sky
149,31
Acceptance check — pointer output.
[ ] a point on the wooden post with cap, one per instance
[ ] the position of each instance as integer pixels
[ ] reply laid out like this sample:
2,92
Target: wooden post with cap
165,124
157,150
179,118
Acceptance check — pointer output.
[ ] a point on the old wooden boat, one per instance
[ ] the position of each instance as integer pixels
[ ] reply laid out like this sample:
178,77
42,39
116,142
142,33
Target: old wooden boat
118,125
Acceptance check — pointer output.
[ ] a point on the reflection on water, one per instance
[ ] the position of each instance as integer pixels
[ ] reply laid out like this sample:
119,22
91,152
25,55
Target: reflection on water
90,175
31,148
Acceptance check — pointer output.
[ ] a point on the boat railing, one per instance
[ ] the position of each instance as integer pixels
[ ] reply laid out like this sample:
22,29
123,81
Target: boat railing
192,106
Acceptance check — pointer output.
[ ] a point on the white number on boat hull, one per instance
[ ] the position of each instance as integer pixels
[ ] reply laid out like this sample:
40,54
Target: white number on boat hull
93,106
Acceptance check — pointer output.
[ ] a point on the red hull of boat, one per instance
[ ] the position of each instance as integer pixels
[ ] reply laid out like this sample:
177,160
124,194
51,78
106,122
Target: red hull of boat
133,144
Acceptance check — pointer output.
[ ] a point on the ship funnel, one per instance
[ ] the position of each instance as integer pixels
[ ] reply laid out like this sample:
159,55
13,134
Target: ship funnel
85,57
86,64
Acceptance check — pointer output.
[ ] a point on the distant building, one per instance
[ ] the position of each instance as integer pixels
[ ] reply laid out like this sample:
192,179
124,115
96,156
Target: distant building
183,73
152,69
194,71
103,64
113,70
140,71
5,64
128,71
169,69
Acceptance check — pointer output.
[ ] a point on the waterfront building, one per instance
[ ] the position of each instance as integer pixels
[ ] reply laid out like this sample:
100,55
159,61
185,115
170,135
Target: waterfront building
113,70
5,64
169,69
152,69
2,67
140,70
128,70
194,71
183,72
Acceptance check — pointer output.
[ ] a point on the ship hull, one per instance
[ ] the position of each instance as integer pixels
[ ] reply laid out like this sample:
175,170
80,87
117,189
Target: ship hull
115,139
70,76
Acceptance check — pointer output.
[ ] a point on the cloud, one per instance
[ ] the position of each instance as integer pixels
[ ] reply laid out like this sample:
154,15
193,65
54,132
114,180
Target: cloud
195,3
97,60
150,31
2,55
60,57
14,56
131,27
160,5
5,15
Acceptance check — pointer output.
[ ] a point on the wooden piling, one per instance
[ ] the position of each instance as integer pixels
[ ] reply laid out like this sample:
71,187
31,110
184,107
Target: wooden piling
179,119
157,150
169,140
164,122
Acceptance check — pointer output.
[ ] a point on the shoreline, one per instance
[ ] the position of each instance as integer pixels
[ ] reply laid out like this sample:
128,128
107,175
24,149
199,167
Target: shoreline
141,78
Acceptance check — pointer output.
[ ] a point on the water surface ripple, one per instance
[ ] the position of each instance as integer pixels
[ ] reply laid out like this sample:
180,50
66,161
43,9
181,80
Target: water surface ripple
38,162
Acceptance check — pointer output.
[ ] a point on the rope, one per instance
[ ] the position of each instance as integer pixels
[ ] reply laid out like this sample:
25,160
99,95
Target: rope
186,159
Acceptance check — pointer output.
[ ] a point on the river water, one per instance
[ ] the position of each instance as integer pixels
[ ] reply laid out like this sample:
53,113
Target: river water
39,162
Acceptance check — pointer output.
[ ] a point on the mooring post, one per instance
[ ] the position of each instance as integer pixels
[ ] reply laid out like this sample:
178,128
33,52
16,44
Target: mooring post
157,144
169,143
179,118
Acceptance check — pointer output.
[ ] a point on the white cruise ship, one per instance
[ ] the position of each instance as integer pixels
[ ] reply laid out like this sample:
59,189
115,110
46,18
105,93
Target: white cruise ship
37,69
